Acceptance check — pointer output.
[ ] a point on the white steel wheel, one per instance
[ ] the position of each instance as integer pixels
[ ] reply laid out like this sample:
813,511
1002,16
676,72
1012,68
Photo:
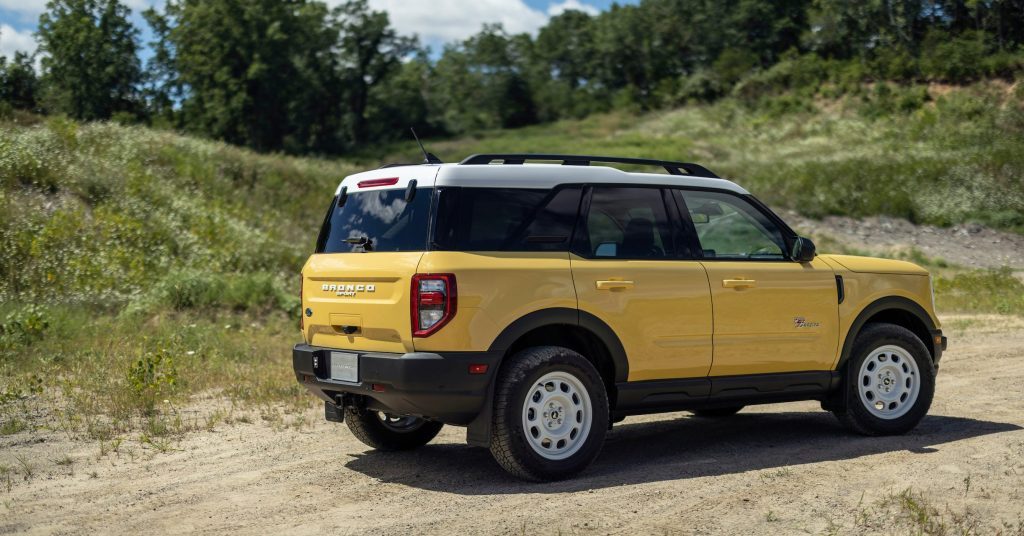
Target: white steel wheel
557,415
889,382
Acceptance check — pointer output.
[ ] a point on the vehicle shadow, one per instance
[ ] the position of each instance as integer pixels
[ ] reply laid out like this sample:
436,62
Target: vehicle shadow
672,449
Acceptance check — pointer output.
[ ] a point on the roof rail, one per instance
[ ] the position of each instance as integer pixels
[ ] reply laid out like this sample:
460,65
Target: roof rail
673,168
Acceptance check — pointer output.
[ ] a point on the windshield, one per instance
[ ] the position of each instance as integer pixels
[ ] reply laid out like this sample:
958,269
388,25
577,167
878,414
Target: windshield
378,220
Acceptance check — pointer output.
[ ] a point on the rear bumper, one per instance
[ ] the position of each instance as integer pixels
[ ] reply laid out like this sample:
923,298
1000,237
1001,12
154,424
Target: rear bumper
431,385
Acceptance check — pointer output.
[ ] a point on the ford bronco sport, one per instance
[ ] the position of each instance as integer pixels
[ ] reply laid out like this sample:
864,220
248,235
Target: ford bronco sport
538,303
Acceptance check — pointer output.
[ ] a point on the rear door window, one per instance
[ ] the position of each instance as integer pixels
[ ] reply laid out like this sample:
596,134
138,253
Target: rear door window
505,219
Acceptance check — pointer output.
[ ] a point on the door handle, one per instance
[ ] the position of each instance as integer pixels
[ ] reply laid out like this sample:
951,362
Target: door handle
739,283
612,284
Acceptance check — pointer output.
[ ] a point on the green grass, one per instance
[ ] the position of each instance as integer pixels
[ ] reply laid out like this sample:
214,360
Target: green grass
139,268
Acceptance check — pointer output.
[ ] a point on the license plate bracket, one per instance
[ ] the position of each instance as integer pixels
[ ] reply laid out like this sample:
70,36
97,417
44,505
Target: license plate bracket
345,367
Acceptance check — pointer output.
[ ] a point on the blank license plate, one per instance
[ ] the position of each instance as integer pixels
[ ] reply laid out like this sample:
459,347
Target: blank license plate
344,367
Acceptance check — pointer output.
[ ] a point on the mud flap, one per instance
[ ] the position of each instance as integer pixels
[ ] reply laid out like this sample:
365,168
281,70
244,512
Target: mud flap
333,413
478,433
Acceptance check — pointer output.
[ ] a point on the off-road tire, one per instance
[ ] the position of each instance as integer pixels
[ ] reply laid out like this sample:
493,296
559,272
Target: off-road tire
852,411
368,428
516,380
717,413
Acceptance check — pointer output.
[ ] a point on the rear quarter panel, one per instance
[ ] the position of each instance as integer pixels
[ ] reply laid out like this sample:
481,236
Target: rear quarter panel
494,290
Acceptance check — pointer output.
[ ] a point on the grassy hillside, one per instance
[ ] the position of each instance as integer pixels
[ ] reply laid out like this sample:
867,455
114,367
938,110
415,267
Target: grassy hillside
139,268
940,155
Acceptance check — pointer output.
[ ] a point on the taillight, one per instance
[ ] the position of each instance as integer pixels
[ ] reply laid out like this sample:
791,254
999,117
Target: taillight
433,301
302,310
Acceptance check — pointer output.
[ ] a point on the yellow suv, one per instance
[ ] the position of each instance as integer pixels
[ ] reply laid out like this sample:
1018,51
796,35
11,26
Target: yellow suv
538,303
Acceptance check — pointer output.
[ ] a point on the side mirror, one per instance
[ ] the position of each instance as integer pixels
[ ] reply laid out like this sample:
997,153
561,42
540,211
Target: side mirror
697,217
803,250
710,209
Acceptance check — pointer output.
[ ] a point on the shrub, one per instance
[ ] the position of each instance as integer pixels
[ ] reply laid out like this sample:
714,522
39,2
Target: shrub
23,327
981,291
801,74
151,377
957,59
196,289
701,86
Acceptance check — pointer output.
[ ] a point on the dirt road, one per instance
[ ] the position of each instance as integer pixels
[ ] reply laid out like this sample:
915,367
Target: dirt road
780,468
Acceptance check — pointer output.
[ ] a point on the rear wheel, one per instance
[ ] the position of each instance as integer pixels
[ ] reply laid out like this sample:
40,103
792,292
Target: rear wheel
384,431
715,413
889,383
550,414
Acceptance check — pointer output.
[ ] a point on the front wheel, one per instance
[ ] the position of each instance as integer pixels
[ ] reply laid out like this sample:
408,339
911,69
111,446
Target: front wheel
889,383
550,414
384,431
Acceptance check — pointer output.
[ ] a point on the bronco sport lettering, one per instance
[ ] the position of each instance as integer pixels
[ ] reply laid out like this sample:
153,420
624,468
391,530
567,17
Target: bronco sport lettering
536,304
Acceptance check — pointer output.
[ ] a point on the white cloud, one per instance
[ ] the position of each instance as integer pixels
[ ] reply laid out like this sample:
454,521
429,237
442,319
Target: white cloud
12,40
26,7
558,9
443,21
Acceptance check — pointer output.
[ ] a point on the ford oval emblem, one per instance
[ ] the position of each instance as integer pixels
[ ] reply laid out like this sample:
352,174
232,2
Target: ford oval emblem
309,312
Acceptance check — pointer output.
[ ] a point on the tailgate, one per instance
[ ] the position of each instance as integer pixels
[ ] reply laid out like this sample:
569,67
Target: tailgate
356,287
359,301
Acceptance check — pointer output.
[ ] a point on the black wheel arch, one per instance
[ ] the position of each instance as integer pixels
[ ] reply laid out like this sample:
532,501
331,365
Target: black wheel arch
527,330
545,318
894,310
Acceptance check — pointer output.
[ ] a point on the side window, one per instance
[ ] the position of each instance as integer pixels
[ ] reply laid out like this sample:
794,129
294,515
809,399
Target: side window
627,223
506,219
729,227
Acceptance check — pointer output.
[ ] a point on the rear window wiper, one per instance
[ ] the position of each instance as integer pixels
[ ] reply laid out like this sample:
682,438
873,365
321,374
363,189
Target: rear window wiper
363,241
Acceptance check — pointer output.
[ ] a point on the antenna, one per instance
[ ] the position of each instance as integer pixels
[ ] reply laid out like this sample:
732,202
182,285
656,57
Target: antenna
428,158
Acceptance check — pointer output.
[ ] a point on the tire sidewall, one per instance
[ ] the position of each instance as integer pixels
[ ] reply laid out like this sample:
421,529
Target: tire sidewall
876,336
570,362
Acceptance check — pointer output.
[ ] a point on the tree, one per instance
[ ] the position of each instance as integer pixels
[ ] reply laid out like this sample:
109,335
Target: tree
249,72
19,84
90,66
370,52
480,82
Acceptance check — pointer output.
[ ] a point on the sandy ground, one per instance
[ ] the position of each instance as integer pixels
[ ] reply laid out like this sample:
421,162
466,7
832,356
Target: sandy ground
787,468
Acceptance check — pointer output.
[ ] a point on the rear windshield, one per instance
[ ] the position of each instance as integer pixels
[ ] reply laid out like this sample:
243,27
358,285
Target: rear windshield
505,219
380,220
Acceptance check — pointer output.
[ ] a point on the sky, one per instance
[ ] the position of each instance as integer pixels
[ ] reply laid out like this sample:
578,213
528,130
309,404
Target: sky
436,22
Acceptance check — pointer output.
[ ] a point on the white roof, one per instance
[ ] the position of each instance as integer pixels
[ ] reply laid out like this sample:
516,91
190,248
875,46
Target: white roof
522,176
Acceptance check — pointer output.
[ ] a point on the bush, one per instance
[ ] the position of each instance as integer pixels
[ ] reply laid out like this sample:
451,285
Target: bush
800,74
981,291
152,377
885,100
22,327
701,86
956,60
195,289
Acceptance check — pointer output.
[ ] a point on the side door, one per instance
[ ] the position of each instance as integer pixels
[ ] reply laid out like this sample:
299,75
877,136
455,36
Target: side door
630,270
771,314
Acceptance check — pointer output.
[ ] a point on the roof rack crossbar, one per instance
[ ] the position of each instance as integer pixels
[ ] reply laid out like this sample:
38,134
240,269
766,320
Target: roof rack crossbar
673,168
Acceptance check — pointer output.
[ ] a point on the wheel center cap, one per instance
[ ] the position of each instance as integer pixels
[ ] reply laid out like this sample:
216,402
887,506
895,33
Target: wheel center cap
554,415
